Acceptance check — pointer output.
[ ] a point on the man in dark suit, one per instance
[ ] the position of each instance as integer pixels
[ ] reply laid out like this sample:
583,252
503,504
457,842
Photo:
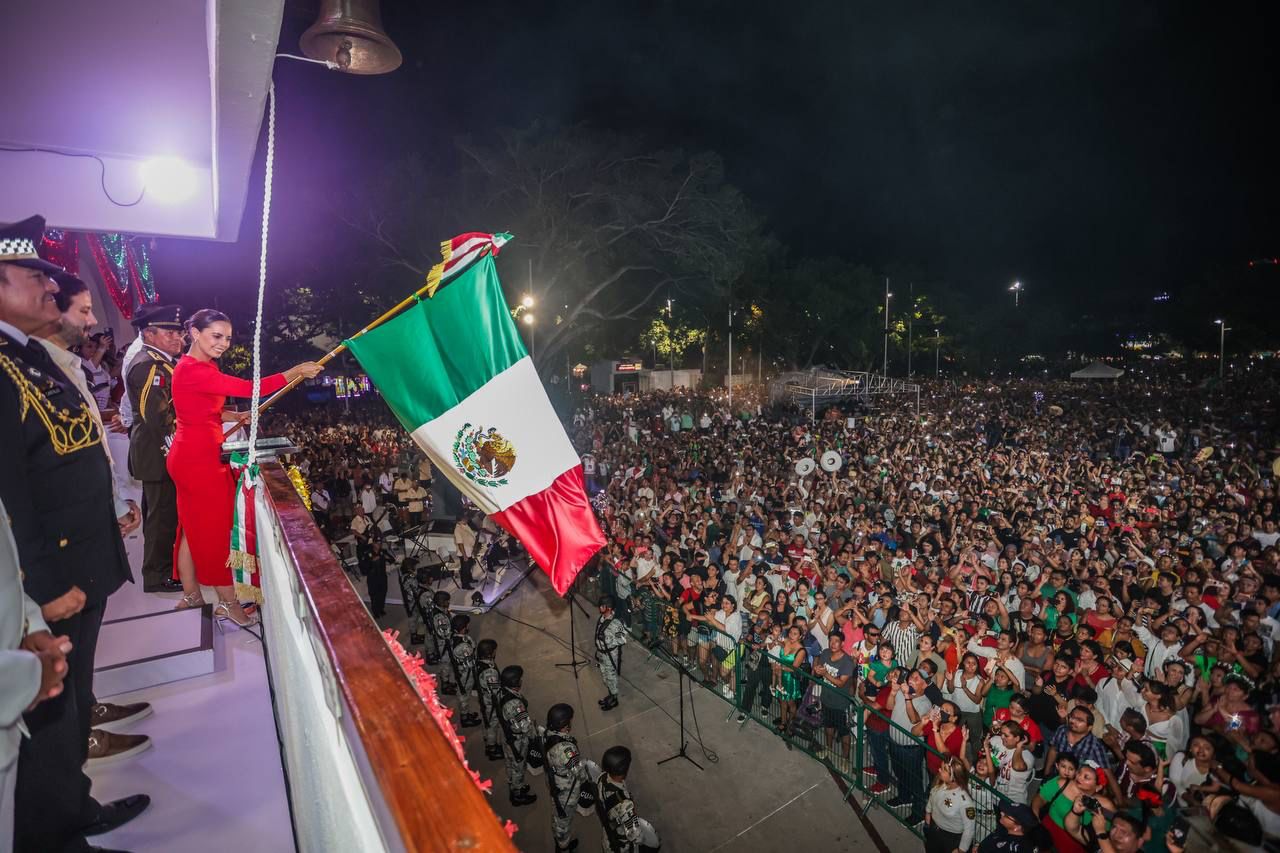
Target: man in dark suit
150,388
56,483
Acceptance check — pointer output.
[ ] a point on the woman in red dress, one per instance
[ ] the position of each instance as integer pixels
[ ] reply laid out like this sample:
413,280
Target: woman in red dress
205,485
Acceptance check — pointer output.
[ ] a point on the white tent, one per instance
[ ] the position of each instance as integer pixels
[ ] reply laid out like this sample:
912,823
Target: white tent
1098,370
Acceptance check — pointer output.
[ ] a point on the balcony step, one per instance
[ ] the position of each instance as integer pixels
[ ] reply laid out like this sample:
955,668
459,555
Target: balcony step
136,652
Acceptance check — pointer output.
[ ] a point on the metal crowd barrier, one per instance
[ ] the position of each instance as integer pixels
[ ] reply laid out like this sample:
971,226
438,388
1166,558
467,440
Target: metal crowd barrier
879,750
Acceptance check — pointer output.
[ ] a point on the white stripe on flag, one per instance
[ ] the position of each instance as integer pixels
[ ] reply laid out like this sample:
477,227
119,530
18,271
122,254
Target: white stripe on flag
515,405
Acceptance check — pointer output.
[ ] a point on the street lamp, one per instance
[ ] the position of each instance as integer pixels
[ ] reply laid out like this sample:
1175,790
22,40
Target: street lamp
671,339
1223,328
887,296
1016,289
527,302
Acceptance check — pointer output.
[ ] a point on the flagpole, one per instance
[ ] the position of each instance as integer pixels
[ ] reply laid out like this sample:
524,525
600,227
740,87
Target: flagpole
342,347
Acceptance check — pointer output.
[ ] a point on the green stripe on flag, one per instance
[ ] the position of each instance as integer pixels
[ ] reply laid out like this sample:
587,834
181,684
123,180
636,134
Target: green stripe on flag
436,353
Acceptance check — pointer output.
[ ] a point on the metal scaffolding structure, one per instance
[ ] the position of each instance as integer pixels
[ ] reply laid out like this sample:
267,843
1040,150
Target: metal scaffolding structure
822,386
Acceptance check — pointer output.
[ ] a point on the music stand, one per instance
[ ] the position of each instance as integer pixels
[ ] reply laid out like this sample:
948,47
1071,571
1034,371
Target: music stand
573,663
682,752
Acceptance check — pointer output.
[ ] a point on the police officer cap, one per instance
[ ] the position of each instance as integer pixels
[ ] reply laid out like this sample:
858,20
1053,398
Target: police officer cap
158,317
1021,814
18,244
616,761
559,716
460,621
511,676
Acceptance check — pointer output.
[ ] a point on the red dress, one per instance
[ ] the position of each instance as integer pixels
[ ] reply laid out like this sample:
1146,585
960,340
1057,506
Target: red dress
205,485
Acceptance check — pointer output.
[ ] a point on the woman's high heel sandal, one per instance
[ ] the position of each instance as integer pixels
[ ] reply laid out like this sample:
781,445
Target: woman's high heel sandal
222,610
188,602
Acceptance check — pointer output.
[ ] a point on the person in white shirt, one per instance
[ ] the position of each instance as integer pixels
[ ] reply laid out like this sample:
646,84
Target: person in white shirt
1012,761
1002,656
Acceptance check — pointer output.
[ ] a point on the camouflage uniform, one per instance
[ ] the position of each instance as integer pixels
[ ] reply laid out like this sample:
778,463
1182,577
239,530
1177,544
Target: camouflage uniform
462,660
440,632
412,591
567,772
624,832
517,730
489,690
611,634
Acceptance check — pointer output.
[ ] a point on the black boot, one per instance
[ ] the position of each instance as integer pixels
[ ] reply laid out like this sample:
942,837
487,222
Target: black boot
417,640
523,797
610,702
572,845
493,753
469,721
449,689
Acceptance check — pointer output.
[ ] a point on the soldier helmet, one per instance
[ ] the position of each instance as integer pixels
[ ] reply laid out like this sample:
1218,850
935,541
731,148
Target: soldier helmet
616,761
511,676
441,599
487,649
606,602
559,716
460,622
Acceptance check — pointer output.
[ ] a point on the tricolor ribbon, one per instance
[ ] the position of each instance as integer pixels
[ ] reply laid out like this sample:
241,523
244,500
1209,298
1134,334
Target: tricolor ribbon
243,557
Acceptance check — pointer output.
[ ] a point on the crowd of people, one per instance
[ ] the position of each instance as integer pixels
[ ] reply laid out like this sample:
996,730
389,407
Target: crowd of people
1059,600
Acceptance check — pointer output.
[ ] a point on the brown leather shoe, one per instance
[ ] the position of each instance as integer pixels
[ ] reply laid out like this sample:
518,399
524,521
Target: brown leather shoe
105,715
109,748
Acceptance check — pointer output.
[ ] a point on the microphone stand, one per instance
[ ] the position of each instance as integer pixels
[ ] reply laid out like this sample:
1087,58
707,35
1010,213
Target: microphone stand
684,743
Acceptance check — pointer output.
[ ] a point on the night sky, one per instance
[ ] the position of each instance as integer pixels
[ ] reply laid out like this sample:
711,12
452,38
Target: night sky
1080,148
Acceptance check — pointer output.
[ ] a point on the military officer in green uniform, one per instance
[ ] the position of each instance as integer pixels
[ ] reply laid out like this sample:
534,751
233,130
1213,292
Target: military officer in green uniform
150,387
55,482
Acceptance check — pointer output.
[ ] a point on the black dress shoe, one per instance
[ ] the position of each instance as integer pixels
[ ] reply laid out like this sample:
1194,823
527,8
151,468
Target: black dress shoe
117,813
169,585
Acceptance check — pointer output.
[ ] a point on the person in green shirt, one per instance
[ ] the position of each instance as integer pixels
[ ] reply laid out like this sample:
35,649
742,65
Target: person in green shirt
996,695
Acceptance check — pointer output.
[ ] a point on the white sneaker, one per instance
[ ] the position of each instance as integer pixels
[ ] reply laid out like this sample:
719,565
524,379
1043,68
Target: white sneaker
726,691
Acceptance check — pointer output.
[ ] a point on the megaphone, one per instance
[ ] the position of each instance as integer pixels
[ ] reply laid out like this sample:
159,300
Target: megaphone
805,466
831,461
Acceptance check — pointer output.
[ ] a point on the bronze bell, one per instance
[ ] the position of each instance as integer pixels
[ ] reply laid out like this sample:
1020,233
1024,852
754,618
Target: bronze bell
349,32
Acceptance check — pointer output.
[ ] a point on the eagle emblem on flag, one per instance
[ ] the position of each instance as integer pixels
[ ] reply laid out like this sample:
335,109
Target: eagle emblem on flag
484,456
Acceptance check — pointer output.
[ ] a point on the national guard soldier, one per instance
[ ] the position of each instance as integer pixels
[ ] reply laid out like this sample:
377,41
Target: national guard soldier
611,634
411,590
440,630
567,772
150,386
624,832
462,660
517,732
488,687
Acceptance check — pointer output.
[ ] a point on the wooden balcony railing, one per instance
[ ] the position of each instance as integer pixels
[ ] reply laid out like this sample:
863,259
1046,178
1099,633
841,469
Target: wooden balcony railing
419,795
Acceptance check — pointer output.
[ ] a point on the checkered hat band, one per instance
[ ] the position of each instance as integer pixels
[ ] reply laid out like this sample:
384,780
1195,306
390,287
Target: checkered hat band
17,249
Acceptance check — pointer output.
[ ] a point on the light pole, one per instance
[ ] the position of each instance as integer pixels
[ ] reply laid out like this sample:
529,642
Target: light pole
1016,289
887,296
671,382
1223,328
937,353
731,362
911,317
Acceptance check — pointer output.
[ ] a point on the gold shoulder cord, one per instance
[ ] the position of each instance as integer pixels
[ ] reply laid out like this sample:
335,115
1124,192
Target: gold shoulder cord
67,433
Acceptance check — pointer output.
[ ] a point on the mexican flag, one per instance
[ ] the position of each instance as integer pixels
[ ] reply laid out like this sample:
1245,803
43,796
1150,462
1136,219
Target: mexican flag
456,374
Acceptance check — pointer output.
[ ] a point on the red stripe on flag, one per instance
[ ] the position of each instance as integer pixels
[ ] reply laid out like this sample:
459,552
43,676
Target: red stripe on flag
557,526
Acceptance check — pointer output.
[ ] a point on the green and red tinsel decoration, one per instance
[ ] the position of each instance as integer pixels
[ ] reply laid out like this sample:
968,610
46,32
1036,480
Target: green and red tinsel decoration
123,263
243,558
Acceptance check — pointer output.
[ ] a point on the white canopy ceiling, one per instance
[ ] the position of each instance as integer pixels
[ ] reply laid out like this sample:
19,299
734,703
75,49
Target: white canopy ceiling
130,81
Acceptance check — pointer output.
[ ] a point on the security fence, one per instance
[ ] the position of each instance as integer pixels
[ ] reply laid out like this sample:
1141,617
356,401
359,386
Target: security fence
884,761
